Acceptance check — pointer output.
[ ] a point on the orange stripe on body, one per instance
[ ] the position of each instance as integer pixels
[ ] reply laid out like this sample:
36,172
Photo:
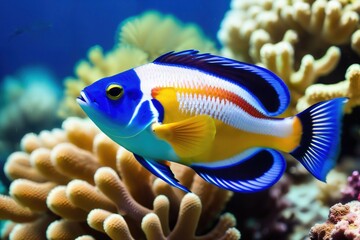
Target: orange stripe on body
221,94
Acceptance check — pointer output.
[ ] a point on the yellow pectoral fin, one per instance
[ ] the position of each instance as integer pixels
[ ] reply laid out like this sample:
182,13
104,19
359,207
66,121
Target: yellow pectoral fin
189,137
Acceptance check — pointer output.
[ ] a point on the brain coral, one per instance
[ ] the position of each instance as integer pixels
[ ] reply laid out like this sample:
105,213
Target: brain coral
141,39
75,182
300,40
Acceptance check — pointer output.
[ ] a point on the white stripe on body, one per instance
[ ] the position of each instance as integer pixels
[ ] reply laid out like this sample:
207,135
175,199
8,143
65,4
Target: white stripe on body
231,114
154,75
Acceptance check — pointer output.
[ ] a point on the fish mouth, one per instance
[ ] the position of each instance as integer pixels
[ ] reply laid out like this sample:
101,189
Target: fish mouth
82,99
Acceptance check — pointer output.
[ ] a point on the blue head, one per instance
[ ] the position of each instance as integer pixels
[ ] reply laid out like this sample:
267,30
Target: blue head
117,105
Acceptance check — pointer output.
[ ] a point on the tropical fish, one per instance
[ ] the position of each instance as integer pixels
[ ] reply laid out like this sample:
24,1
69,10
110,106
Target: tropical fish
215,115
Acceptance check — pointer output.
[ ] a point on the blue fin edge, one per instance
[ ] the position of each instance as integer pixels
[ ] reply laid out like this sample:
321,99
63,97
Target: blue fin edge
320,141
162,171
229,177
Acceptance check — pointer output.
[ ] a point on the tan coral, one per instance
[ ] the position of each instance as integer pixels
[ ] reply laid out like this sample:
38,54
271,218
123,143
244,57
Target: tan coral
155,225
287,37
34,199
18,166
355,42
66,229
13,211
116,228
83,176
60,204
349,88
85,237
141,39
74,162
46,139
318,25
331,21
40,159
190,210
130,172
279,58
32,230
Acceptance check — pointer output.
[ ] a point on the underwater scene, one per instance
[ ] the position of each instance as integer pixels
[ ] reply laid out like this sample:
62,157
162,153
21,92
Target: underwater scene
199,120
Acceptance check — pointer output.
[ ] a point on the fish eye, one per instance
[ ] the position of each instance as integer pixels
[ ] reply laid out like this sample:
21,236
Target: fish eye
114,91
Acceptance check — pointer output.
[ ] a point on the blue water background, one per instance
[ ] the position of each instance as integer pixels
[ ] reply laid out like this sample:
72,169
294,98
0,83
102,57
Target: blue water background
56,34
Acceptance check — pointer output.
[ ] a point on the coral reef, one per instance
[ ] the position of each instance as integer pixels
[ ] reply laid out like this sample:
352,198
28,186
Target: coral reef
75,182
28,100
311,45
261,215
350,88
343,223
351,191
299,40
305,209
141,39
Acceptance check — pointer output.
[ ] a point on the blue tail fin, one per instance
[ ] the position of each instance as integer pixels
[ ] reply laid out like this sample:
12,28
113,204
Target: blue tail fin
320,139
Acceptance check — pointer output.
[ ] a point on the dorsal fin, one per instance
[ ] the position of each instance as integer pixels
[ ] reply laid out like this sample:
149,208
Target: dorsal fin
270,91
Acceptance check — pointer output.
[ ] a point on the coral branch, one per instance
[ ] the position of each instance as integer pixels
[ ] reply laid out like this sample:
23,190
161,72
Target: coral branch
298,40
67,180
116,228
41,160
350,88
9,209
18,166
31,194
33,230
96,218
87,197
58,203
74,162
110,184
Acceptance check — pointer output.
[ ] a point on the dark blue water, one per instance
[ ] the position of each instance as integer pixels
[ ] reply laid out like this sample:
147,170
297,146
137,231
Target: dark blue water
56,34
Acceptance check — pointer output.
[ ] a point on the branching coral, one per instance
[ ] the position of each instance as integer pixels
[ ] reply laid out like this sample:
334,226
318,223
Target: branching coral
141,39
287,37
348,88
343,223
314,25
98,189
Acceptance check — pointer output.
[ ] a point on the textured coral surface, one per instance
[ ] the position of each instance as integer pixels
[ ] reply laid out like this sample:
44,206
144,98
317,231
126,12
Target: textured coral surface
298,40
75,182
351,191
343,223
